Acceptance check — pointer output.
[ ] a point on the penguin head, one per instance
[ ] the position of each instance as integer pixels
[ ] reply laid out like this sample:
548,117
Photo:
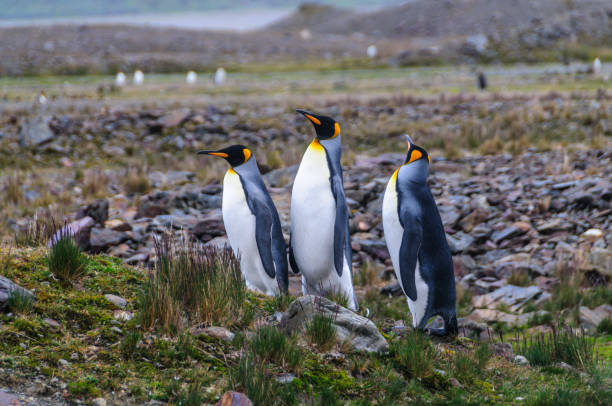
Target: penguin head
326,127
236,155
415,153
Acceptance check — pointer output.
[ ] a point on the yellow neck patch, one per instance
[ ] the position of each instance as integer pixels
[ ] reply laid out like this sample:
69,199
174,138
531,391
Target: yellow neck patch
416,154
394,176
316,145
232,171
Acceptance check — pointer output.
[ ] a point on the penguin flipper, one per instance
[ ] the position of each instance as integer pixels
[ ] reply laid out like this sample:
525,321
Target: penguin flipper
263,237
408,255
340,225
279,254
292,262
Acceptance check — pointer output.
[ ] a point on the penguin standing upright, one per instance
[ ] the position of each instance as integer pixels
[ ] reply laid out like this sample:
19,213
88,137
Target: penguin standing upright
251,222
320,246
417,244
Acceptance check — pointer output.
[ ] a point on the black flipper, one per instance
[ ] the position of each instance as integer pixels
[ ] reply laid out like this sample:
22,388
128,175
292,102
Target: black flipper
292,261
340,223
279,254
263,232
408,255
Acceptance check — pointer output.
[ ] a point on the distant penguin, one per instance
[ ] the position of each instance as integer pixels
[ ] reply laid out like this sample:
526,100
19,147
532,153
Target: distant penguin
417,244
120,79
220,76
597,67
42,98
138,77
372,51
320,246
191,78
482,81
252,223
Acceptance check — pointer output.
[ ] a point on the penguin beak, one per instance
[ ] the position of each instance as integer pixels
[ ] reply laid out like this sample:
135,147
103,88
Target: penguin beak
215,153
309,116
408,140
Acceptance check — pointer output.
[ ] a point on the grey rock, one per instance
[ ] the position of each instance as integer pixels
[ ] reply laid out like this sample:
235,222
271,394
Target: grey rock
590,319
209,227
506,233
521,360
392,289
513,296
459,242
116,300
35,132
234,399
97,210
281,177
99,402
599,260
102,238
8,288
361,333
216,332
285,378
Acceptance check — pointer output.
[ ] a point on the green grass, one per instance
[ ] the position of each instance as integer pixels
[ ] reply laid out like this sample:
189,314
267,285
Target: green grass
203,284
271,344
20,302
561,345
320,331
66,260
414,355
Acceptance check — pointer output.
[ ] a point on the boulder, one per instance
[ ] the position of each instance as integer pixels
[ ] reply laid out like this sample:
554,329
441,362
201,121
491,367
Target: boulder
360,332
234,399
513,296
103,238
590,319
459,242
216,332
35,132
116,300
599,260
97,210
7,287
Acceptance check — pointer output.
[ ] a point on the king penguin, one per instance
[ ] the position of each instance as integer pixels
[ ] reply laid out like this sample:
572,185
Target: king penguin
251,222
417,244
320,246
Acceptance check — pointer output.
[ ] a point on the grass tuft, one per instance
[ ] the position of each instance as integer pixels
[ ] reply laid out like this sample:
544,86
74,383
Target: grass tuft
66,260
320,331
273,345
565,345
249,376
36,233
605,326
193,283
414,355
20,302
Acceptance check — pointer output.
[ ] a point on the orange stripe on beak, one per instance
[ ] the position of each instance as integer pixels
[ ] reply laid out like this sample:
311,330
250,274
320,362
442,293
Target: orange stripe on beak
221,154
313,119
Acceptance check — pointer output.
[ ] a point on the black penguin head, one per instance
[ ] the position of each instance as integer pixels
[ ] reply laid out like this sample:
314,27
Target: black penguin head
236,155
326,127
415,152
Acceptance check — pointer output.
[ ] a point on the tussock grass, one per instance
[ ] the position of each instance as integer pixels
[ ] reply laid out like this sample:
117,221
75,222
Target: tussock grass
136,182
467,366
337,297
37,232
129,344
563,344
249,376
273,345
605,326
414,355
320,331
19,302
519,278
66,260
193,283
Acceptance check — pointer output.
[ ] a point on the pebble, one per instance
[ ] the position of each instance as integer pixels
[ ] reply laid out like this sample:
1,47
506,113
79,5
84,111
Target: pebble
521,360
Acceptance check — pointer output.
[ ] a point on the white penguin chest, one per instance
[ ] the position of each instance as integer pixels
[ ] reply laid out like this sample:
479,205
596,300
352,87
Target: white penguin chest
313,212
237,217
392,227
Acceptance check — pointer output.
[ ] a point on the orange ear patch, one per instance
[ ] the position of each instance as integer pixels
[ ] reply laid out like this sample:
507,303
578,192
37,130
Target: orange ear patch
416,154
336,130
247,154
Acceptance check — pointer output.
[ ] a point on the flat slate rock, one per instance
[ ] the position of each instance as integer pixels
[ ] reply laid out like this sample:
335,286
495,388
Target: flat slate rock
7,287
361,332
